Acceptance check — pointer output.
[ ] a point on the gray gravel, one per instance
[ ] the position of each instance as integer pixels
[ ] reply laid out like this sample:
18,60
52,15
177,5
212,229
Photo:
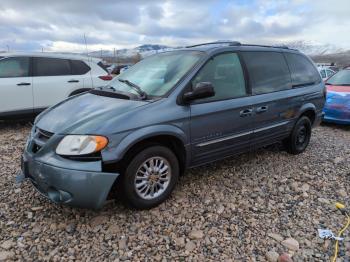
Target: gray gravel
253,207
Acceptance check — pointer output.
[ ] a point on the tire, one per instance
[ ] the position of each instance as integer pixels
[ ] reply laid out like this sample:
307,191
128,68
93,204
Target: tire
299,139
137,181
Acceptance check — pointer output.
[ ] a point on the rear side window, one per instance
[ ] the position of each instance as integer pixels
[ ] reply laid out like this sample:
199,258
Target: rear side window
268,72
302,70
14,67
100,64
226,75
79,67
51,66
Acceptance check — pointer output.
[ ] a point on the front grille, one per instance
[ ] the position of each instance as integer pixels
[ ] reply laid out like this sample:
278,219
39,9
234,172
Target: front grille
44,135
40,138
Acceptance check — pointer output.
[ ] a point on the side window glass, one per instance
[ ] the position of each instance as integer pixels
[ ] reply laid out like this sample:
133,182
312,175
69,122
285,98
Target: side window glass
323,73
79,67
51,66
302,70
14,67
268,72
226,75
329,73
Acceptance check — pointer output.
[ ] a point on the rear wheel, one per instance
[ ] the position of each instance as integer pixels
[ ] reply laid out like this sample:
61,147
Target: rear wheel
300,137
150,177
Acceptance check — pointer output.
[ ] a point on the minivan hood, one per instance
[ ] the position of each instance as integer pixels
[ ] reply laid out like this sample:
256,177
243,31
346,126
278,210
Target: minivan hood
85,113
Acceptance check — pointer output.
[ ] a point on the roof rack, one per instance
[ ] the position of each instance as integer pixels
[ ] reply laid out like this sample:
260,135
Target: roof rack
272,46
236,43
230,43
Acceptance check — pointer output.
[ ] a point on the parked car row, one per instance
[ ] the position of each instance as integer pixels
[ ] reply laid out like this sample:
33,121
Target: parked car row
32,82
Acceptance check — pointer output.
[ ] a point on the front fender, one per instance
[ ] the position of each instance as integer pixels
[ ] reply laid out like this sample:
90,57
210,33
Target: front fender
118,147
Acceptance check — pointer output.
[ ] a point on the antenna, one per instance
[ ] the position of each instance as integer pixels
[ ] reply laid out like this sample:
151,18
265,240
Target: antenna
89,59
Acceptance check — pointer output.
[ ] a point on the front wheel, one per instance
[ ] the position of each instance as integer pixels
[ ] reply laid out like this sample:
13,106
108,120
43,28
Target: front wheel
150,177
300,137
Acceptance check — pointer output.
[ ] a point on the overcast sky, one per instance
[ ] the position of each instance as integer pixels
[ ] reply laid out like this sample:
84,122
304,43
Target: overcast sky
59,25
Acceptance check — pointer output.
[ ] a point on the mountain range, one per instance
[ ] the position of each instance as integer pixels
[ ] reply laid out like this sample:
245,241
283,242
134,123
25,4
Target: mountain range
307,47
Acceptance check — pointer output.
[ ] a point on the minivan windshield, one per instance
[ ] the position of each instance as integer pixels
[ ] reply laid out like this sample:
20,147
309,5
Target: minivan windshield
157,74
342,78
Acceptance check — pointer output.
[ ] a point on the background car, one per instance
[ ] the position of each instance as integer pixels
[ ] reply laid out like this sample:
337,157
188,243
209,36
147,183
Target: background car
118,69
31,82
325,72
124,68
337,107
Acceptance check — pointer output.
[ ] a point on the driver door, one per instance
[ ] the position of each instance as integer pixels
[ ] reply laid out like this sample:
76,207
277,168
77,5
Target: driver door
221,125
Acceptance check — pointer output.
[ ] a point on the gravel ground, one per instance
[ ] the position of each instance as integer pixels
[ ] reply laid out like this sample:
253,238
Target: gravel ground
252,207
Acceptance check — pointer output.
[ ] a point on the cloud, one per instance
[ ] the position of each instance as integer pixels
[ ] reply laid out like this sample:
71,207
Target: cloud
61,25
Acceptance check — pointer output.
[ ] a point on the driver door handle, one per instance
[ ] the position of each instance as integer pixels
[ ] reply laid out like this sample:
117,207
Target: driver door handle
23,84
73,81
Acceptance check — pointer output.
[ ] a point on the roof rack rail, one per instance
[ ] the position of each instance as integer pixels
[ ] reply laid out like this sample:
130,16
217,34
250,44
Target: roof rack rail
271,46
230,43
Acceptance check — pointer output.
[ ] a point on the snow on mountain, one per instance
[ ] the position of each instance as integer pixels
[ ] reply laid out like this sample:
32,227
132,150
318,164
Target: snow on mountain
314,48
143,50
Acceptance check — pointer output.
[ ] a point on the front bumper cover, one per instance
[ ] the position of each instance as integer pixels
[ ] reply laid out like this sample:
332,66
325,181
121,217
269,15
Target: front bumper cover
86,189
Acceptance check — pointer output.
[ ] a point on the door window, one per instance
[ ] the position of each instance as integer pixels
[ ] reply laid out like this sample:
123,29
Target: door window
51,66
226,75
323,73
268,72
302,70
14,67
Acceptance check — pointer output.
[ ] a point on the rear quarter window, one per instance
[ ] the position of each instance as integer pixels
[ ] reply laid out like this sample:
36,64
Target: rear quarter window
303,72
268,71
79,67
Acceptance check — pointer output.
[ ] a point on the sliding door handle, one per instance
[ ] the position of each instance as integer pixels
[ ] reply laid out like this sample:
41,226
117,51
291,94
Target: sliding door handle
246,112
73,81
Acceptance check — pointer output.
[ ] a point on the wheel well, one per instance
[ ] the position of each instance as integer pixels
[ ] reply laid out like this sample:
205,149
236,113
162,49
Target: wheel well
169,141
310,114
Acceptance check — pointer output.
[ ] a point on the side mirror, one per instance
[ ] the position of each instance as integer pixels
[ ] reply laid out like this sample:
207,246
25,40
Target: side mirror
201,90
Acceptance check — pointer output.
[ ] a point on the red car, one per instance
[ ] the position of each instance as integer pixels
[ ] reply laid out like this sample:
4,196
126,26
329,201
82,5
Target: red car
337,107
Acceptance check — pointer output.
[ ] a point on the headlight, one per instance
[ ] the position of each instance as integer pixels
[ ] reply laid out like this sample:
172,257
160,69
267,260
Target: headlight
74,145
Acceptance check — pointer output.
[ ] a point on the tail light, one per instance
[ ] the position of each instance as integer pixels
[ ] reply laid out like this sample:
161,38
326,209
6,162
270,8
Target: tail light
106,77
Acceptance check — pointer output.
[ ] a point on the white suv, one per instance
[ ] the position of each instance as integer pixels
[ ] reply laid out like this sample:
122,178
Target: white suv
31,82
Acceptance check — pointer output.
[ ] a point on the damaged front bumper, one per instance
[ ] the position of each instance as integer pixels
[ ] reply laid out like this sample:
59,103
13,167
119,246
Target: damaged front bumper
86,188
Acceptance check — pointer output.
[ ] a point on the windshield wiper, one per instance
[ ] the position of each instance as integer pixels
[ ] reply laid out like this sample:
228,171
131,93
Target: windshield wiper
143,94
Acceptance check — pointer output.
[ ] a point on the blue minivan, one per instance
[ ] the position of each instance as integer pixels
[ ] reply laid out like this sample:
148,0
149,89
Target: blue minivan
172,111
